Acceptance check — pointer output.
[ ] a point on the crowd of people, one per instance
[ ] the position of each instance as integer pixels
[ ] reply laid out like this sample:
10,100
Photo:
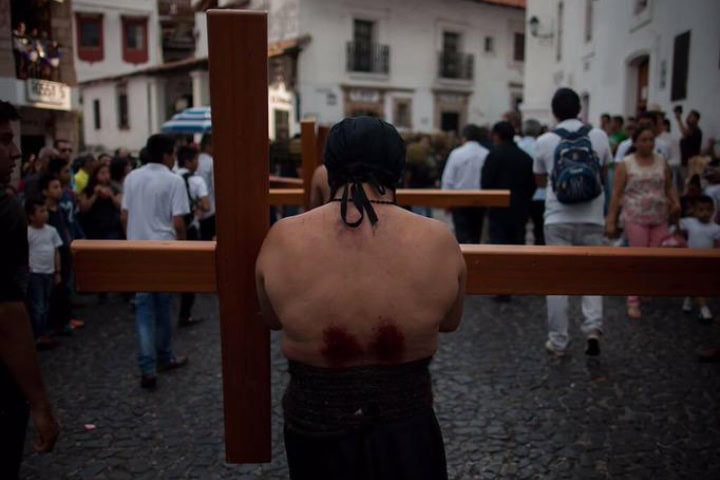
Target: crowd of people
36,55
68,198
626,182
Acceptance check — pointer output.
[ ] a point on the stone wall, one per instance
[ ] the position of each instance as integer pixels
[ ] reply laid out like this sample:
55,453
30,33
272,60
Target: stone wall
62,31
7,62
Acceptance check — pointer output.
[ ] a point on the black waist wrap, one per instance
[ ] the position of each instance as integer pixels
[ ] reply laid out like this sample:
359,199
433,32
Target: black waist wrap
333,401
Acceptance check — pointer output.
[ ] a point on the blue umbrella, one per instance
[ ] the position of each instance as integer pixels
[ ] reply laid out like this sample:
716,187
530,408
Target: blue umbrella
190,120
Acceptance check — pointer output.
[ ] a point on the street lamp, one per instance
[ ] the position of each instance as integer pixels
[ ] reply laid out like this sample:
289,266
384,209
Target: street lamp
534,24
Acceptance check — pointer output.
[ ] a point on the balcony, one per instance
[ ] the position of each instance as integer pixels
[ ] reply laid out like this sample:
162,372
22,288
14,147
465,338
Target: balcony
368,58
455,65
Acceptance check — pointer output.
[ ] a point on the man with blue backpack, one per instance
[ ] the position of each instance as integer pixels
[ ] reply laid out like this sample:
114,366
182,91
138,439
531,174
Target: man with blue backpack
571,161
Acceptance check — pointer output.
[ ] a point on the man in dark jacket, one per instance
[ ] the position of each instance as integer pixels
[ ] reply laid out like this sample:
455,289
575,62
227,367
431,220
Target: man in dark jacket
508,167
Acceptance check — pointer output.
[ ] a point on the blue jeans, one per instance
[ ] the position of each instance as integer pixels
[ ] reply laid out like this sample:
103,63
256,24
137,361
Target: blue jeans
154,328
39,290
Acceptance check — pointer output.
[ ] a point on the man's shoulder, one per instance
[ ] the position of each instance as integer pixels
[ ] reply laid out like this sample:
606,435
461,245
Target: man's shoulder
545,144
167,175
627,141
598,132
197,182
205,160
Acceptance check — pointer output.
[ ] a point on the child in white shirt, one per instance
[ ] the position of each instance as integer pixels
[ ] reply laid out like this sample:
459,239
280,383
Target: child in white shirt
44,260
701,232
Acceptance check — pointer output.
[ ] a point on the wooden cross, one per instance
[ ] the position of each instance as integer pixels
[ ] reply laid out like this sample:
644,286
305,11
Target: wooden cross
238,76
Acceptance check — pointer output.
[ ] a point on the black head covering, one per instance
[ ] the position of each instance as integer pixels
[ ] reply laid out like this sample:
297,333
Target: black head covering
363,150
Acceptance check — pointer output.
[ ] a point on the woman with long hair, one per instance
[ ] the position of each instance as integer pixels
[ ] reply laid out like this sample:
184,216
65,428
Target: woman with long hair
100,207
644,190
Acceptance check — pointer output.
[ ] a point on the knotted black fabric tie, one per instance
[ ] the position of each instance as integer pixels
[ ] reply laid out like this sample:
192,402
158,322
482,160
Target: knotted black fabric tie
354,191
359,151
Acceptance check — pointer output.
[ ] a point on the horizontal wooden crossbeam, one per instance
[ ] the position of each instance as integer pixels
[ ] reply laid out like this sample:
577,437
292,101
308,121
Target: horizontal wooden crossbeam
280,182
415,197
131,266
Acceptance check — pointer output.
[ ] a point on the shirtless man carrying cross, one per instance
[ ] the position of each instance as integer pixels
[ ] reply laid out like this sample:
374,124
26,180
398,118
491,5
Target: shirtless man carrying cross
361,288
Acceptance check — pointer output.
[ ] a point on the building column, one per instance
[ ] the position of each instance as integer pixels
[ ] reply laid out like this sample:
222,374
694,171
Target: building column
200,88
156,103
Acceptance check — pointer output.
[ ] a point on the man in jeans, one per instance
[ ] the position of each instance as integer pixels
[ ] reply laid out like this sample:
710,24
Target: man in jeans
154,205
578,224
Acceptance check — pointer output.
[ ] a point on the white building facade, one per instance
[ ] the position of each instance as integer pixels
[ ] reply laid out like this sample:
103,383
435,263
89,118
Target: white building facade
115,42
623,55
425,65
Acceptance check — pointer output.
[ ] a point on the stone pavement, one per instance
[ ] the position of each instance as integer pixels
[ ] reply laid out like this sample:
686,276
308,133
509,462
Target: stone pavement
645,409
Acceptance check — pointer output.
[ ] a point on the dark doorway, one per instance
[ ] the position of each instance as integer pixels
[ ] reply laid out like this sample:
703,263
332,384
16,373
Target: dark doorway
643,76
31,145
450,122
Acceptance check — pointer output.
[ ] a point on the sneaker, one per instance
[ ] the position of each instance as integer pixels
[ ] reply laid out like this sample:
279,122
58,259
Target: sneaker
593,345
551,350
148,381
687,305
75,324
709,355
705,316
177,362
189,321
633,311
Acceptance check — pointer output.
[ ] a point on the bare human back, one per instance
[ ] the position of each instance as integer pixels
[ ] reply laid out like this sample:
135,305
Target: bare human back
364,296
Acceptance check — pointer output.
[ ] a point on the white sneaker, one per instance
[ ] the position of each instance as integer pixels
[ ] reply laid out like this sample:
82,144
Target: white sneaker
687,305
706,315
550,349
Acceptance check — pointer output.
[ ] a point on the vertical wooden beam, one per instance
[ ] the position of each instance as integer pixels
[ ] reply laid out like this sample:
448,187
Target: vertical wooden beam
238,81
309,158
322,134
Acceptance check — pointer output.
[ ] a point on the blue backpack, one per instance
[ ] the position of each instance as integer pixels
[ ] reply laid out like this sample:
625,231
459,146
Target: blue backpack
576,175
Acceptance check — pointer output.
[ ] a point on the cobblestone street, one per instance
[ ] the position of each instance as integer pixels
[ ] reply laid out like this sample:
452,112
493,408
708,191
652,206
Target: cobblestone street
645,409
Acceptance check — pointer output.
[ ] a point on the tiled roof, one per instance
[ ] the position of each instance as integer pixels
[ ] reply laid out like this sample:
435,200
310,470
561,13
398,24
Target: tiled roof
506,3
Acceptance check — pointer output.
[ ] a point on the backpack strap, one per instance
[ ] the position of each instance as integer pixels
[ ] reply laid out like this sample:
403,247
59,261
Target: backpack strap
189,216
565,134
584,131
562,133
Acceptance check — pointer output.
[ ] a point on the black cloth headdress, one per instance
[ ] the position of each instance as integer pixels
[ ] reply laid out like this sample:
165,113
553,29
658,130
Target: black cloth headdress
363,150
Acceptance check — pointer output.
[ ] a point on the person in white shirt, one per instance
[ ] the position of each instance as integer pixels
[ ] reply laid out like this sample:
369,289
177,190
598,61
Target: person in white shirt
206,172
702,233
579,224
44,261
462,172
646,119
154,206
199,200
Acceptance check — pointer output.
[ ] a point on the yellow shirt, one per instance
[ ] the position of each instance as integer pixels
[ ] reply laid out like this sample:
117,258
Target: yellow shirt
81,180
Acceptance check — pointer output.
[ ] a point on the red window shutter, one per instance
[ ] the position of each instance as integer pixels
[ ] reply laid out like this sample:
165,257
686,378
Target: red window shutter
135,39
90,37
